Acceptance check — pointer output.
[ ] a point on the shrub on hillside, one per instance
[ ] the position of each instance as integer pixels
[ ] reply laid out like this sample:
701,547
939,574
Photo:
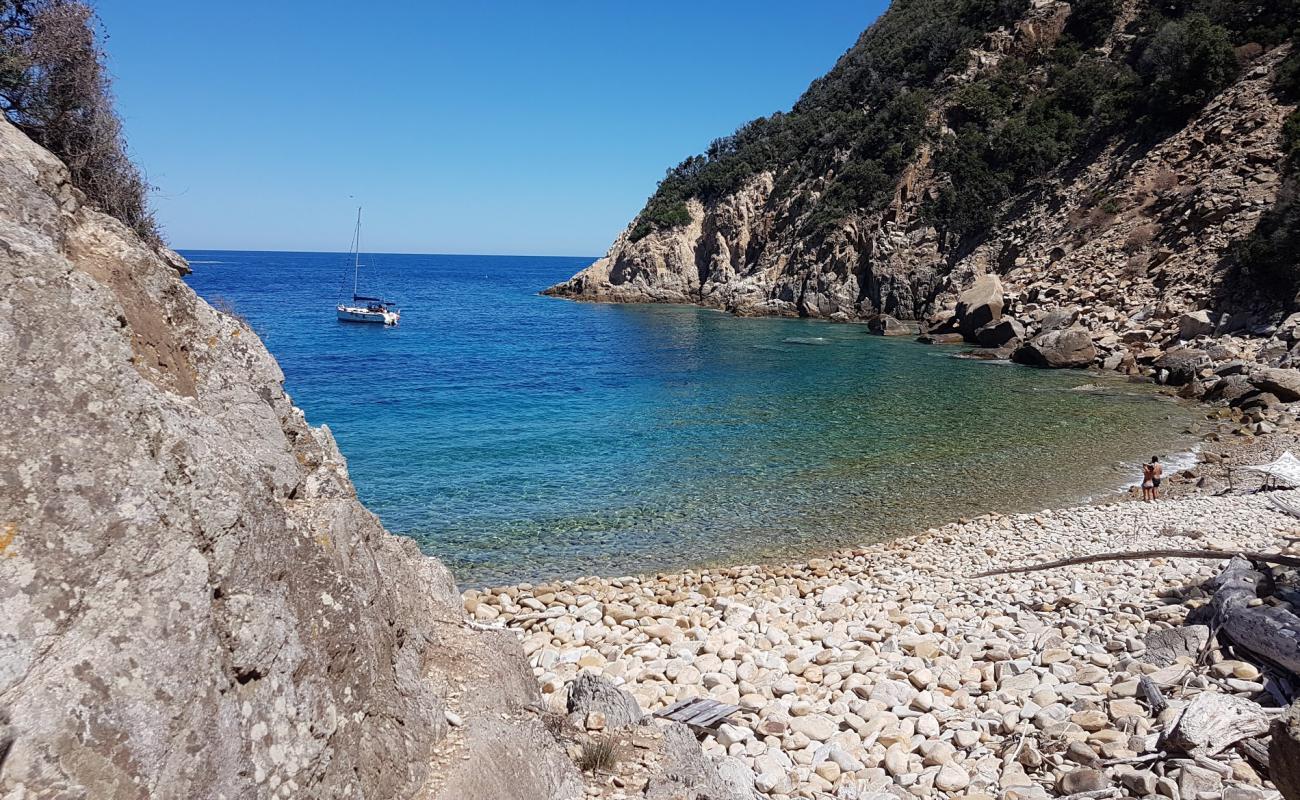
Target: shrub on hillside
53,86
1186,63
1090,21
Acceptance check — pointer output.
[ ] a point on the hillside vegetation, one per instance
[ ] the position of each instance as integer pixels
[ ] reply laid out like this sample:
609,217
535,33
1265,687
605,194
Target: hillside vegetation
54,87
1135,76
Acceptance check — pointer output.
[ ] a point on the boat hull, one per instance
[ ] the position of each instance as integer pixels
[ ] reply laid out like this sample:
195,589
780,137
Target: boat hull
349,314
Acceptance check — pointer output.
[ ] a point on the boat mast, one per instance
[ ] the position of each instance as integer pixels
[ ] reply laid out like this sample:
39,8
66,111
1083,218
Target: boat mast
356,254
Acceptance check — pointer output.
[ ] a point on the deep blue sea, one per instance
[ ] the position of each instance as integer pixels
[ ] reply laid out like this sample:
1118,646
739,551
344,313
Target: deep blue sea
521,437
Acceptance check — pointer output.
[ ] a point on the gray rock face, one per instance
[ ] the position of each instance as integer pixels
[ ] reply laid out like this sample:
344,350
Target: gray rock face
687,774
1195,323
192,601
979,305
1071,347
1181,364
1000,334
1285,383
590,692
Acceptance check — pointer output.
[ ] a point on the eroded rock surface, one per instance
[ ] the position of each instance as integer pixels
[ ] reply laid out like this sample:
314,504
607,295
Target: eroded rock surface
193,603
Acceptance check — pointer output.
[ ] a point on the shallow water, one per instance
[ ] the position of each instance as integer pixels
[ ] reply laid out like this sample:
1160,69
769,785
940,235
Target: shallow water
520,437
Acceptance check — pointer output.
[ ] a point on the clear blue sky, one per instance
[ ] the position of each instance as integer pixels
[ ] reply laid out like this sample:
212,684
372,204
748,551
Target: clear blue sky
474,127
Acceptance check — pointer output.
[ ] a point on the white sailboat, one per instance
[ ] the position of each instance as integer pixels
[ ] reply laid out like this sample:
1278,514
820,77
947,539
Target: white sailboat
364,308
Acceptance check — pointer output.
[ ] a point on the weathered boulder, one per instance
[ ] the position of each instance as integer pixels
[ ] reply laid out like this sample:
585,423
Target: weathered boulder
979,305
193,603
940,338
1181,364
1230,389
1285,383
1058,319
885,325
1197,323
1071,347
590,692
686,773
1000,333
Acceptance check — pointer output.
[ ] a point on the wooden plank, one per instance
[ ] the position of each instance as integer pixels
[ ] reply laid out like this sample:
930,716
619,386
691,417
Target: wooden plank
701,712
714,714
668,712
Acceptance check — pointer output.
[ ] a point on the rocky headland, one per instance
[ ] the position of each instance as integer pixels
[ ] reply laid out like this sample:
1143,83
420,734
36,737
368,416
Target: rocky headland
1122,247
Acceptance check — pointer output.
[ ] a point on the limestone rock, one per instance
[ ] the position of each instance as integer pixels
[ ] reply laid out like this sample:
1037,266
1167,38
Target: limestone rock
1284,383
590,693
1071,347
685,773
979,305
193,603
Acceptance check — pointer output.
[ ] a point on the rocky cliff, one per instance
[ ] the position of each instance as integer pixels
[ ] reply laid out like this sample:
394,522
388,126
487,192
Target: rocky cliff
1033,155
193,604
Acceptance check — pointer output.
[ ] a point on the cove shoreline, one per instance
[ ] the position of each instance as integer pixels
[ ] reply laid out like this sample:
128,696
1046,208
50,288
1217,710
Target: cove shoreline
889,666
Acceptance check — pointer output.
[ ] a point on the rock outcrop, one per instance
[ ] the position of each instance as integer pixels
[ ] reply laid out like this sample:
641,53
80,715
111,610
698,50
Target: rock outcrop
193,603
1133,241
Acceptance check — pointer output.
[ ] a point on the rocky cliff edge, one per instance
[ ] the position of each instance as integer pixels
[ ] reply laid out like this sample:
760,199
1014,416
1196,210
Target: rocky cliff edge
193,603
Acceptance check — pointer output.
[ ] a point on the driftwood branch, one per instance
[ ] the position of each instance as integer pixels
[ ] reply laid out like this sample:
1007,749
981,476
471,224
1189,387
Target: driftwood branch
1267,631
1206,555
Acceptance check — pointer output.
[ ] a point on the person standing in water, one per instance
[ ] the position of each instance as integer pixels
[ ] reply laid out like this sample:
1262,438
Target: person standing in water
1151,475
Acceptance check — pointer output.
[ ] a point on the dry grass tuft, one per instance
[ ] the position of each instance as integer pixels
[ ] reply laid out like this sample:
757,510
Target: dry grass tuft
599,755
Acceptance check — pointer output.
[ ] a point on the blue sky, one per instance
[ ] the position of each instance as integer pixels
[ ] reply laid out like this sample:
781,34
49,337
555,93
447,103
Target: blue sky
486,127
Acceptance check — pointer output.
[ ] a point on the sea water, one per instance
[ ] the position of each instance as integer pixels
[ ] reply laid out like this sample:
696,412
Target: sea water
520,437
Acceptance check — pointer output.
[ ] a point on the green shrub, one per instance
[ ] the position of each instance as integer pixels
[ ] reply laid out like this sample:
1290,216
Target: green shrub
860,122
54,87
1090,21
1186,63
1288,73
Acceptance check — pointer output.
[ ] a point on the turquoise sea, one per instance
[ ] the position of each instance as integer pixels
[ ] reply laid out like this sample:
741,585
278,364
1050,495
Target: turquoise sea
521,437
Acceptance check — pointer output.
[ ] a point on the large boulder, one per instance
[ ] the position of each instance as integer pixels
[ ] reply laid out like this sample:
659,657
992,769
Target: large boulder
1197,323
193,603
685,773
1000,334
979,305
1230,389
1285,383
1181,365
1071,347
885,325
1058,319
590,693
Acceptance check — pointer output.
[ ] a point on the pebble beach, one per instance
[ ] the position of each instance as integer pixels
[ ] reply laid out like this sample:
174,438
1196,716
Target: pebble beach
891,670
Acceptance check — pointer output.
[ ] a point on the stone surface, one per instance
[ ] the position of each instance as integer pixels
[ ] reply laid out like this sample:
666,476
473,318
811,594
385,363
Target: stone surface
1282,383
979,305
590,693
1195,323
1000,333
192,601
1071,347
